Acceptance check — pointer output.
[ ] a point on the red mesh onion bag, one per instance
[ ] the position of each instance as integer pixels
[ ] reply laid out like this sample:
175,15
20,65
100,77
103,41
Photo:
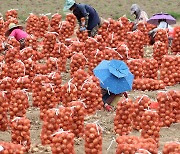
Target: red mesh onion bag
63,142
175,48
140,104
19,103
123,117
172,147
54,22
93,139
20,132
165,109
4,106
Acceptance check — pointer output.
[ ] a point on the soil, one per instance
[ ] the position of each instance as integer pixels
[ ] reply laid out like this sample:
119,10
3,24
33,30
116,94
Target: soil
105,120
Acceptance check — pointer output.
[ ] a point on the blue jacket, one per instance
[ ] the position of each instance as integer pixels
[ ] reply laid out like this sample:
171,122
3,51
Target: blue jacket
82,10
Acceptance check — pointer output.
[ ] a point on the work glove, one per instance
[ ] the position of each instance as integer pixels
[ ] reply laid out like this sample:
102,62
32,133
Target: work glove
82,29
108,107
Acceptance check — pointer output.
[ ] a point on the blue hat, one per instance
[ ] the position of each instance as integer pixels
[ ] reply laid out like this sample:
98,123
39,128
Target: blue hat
68,4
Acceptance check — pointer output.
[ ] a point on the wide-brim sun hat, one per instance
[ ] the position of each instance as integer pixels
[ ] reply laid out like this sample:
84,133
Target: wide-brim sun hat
11,27
68,4
134,8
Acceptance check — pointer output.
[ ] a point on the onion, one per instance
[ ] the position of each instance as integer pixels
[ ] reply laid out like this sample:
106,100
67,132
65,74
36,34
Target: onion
54,23
148,84
82,36
36,88
2,28
172,147
31,41
41,68
112,40
177,74
32,24
52,64
20,132
50,126
162,36
168,70
63,142
29,68
7,84
101,41
19,103
140,104
175,104
18,70
60,51
123,50
136,67
150,125
12,42
9,147
65,31
11,14
79,77
175,44
43,25
71,18
55,119
142,26
12,55
135,44
69,91
92,96
124,26
165,109
28,52
102,31
95,58
4,70
150,68
4,106
123,117
159,50
111,53
133,144
91,45
93,139
78,118
23,82
78,47
49,98
78,61
49,43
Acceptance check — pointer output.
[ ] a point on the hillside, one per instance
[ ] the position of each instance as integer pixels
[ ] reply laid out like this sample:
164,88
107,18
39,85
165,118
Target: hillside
106,8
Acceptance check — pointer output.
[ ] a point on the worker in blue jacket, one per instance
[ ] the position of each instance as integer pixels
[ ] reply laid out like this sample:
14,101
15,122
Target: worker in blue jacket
92,20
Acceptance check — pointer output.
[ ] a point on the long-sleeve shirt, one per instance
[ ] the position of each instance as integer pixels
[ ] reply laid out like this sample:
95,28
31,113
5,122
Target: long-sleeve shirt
141,17
163,25
83,10
19,34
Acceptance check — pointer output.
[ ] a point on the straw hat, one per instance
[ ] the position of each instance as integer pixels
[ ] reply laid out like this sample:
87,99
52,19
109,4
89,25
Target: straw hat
11,27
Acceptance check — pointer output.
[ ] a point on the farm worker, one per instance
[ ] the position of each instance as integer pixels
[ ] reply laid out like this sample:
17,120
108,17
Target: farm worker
162,25
108,98
139,14
92,20
17,32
